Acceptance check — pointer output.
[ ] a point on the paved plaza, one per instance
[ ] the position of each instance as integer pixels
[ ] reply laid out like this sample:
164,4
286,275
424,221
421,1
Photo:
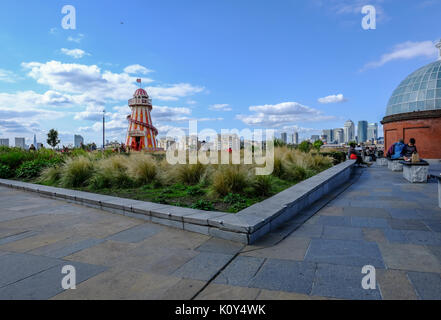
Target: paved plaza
379,220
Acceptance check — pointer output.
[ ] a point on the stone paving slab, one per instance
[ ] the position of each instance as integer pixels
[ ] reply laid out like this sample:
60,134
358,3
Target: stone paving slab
136,234
240,272
285,275
18,266
345,252
204,266
46,284
343,282
428,285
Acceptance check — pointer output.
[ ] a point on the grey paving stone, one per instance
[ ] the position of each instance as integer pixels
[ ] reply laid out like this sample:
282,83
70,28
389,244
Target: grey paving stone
407,224
423,237
403,213
436,251
395,236
67,250
240,272
334,221
284,275
204,266
345,252
216,245
365,212
342,282
361,222
47,284
434,225
17,266
136,234
342,233
17,237
309,231
427,285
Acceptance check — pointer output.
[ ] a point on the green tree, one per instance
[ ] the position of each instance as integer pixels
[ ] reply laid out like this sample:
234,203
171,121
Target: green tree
305,146
318,144
52,138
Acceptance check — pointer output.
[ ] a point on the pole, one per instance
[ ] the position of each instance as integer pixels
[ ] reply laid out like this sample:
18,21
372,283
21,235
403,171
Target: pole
104,128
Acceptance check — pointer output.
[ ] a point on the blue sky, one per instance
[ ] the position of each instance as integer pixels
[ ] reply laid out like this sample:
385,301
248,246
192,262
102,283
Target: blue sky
285,65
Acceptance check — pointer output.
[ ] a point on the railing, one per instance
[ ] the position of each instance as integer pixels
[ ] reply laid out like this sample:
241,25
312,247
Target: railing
140,101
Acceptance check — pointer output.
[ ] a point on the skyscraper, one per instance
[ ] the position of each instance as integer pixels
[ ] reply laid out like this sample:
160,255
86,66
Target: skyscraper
372,132
362,131
329,135
20,143
284,136
295,139
4,142
339,136
78,140
349,131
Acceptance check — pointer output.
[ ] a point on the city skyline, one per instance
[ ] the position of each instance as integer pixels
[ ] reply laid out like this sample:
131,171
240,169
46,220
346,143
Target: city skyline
222,81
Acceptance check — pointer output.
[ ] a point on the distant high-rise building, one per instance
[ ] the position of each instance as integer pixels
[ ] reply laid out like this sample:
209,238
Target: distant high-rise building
4,142
20,143
295,139
78,140
349,131
372,132
339,135
284,136
314,138
362,131
35,142
329,133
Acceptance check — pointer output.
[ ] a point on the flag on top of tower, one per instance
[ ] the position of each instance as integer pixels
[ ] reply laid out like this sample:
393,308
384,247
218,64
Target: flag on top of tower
138,80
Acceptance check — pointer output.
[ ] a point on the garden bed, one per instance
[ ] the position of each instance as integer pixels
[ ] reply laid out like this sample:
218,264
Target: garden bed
144,177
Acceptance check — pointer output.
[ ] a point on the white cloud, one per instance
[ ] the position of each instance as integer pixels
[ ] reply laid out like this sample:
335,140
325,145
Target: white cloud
405,51
278,115
335,98
7,76
173,92
221,107
137,69
77,39
75,53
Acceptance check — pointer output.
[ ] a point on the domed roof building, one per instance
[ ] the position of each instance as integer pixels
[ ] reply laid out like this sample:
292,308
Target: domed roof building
414,111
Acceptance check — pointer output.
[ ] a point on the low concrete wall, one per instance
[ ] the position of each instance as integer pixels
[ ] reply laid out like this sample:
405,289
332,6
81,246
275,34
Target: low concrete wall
246,226
395,165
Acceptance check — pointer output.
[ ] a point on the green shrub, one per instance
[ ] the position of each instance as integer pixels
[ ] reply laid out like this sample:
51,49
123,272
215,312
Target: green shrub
50,176
5,172
203,205
190,174
77,172
305,146
229,179
236,202
262,185
142,169
295,173
111,173
194,191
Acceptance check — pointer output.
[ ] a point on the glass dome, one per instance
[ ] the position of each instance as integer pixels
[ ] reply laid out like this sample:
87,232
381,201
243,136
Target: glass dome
421,91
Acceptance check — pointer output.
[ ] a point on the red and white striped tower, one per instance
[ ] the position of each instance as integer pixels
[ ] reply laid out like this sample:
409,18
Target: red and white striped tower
141,134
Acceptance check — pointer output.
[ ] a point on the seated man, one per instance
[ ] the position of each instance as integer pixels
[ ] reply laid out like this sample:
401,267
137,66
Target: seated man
398,150
409,150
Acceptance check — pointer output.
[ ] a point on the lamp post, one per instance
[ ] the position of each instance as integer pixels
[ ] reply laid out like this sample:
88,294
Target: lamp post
104,129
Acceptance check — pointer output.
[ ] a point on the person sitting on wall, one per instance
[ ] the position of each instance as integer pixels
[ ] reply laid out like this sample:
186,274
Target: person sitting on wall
354,154
395,152
409,150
